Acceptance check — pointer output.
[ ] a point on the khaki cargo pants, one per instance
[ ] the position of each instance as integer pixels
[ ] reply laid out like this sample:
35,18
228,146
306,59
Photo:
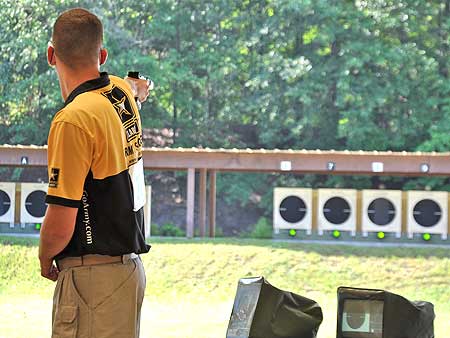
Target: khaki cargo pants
99,301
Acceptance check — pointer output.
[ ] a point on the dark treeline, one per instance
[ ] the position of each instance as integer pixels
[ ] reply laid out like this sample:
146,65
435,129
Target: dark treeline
287,74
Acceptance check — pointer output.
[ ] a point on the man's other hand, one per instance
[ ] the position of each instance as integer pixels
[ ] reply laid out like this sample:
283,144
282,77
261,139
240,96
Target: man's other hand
49,270
141,87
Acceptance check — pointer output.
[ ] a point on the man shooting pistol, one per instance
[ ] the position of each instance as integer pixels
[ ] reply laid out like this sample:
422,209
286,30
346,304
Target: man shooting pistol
93,231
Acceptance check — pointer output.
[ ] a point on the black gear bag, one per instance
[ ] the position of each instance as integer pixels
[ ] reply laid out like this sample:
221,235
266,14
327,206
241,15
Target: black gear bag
263,311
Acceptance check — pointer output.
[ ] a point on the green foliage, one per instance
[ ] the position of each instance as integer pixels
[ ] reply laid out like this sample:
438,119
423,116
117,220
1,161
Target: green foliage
167,230
16,174
219,232
262,229
243,189
273,74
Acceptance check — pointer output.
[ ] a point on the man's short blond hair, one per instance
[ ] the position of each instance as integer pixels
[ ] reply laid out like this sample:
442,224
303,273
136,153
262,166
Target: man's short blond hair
77,38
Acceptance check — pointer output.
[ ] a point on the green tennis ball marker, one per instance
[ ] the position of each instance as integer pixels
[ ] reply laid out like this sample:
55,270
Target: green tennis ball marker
381,235
38,226
336,234
426,237
292,232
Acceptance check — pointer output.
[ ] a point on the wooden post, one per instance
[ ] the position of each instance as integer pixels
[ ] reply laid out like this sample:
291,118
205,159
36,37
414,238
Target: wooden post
202,203
212,203
190,203
404,213
314,218
359,211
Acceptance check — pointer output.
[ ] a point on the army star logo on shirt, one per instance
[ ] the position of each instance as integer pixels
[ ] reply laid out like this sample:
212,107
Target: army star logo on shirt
53,179
119,105
124,110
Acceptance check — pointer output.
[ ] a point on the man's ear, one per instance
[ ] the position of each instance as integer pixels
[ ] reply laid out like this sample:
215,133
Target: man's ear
51,56
103,56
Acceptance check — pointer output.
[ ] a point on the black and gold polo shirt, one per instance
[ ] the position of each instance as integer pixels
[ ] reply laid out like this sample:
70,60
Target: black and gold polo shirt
95,165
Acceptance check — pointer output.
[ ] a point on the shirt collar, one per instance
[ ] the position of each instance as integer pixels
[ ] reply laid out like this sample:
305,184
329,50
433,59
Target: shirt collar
101,81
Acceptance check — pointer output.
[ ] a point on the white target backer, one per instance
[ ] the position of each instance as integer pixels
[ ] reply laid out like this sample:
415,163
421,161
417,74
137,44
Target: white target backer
428,213
7,202
292,208
382,211
32,202
337,210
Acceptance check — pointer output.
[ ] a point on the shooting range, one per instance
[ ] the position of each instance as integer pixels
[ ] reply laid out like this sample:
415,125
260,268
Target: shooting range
296,163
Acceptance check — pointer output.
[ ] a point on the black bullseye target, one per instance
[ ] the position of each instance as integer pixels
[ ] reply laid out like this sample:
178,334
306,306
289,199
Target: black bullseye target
35,203
5,203
293,209
337,210
427,213
381,211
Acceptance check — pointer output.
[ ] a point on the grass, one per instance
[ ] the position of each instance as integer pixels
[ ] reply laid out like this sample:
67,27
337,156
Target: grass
191,283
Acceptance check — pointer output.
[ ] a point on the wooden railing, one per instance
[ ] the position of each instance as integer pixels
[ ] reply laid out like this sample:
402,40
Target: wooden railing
246,160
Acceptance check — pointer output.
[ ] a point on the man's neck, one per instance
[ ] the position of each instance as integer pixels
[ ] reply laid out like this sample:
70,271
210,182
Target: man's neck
70,79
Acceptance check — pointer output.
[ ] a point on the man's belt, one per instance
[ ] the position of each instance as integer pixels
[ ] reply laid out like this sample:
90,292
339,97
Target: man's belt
87,260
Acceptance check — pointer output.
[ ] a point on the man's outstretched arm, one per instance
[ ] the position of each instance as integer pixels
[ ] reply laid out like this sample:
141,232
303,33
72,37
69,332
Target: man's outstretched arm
56,232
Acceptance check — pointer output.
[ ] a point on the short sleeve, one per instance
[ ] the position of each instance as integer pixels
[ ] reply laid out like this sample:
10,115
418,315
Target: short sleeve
69,155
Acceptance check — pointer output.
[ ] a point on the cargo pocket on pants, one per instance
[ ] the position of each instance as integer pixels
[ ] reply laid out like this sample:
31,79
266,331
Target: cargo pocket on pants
66,322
